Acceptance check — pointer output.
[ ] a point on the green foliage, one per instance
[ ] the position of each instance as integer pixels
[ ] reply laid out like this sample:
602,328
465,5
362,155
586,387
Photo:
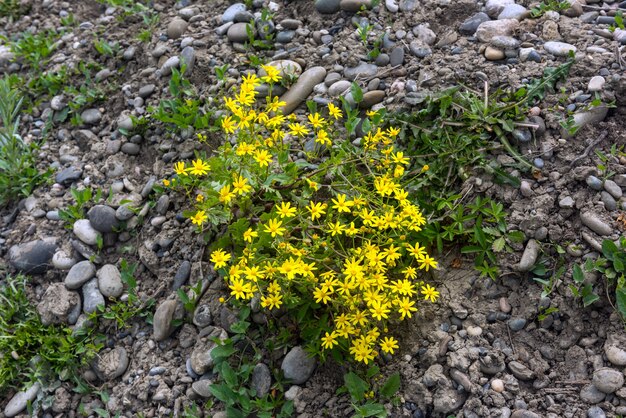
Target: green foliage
78,210
18,164
619,21
184,110
31,351
105,48
34,49
612,266
362,393
234,368
12,9
121,313
549,5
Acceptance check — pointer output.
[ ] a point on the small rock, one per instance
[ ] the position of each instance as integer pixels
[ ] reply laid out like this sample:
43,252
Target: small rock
92,298
79,274
612,187
363,70
57,304
529,257
497,385
91,116
595,412
609,202
261,380
172,62
182,275
111,364
327,6
238,32
594,183
84,231
102,218
558,49
495,7
68,175
469,26
20,400
513,11
567,203
520,371
397,56
593,222
494,54
447,400
201,360
607,380
303,88
371,98
596,83
231,11
354,6
298,365
33,257
201,388
594,115
517,324
590,394
110,281
487,30
162,323
524,413
176,28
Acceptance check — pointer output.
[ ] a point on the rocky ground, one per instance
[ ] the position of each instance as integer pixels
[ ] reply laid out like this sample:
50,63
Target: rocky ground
483,351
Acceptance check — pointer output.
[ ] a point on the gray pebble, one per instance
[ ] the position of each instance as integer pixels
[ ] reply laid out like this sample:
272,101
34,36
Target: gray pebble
298,365
594,183
612,187
79,274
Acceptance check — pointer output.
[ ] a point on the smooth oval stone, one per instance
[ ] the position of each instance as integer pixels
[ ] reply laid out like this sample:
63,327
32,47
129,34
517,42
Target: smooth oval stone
79,274
302,89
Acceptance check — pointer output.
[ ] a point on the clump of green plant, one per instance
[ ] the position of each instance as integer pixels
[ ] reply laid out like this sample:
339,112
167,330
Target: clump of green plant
35,49
362,392
12,9
612,267
103,47
263,38
184,110
78,210
121,313
235,367
31,351
619,21
18,164
549,6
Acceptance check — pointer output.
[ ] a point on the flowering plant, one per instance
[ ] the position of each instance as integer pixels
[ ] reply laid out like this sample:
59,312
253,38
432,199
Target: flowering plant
319,227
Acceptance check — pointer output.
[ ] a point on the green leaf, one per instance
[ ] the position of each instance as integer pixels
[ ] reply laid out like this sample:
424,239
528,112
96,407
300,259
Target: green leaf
471,249
228,374
620,298
391,386
588,295
357,92
498,245
371,410
578,275
516,236
355,385
223,393
609,249
222,351
372,371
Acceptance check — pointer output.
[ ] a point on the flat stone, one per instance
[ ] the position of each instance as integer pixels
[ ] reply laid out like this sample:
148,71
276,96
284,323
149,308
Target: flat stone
338,88
19,401
607,380
371,98
487,30
110,281
33,257
298,366
327,6
612,187
363,70
79,274
162,323
261,380
231,11
85,232
593,222
111,364
530,255
495,7
238,32
559,49
596,83
494,54
92,298
397,56
286,68
520,371
302,89
102,218
567,203
57,304
176,28
201,388
68,175
513,11
201,360
469,26
91,116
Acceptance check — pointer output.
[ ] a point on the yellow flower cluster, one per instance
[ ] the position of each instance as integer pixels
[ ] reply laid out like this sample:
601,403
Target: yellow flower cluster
352,255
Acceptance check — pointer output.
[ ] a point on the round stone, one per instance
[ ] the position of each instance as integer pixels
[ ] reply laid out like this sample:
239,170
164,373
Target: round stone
79,274
298,365
608,380
102,218
110,281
